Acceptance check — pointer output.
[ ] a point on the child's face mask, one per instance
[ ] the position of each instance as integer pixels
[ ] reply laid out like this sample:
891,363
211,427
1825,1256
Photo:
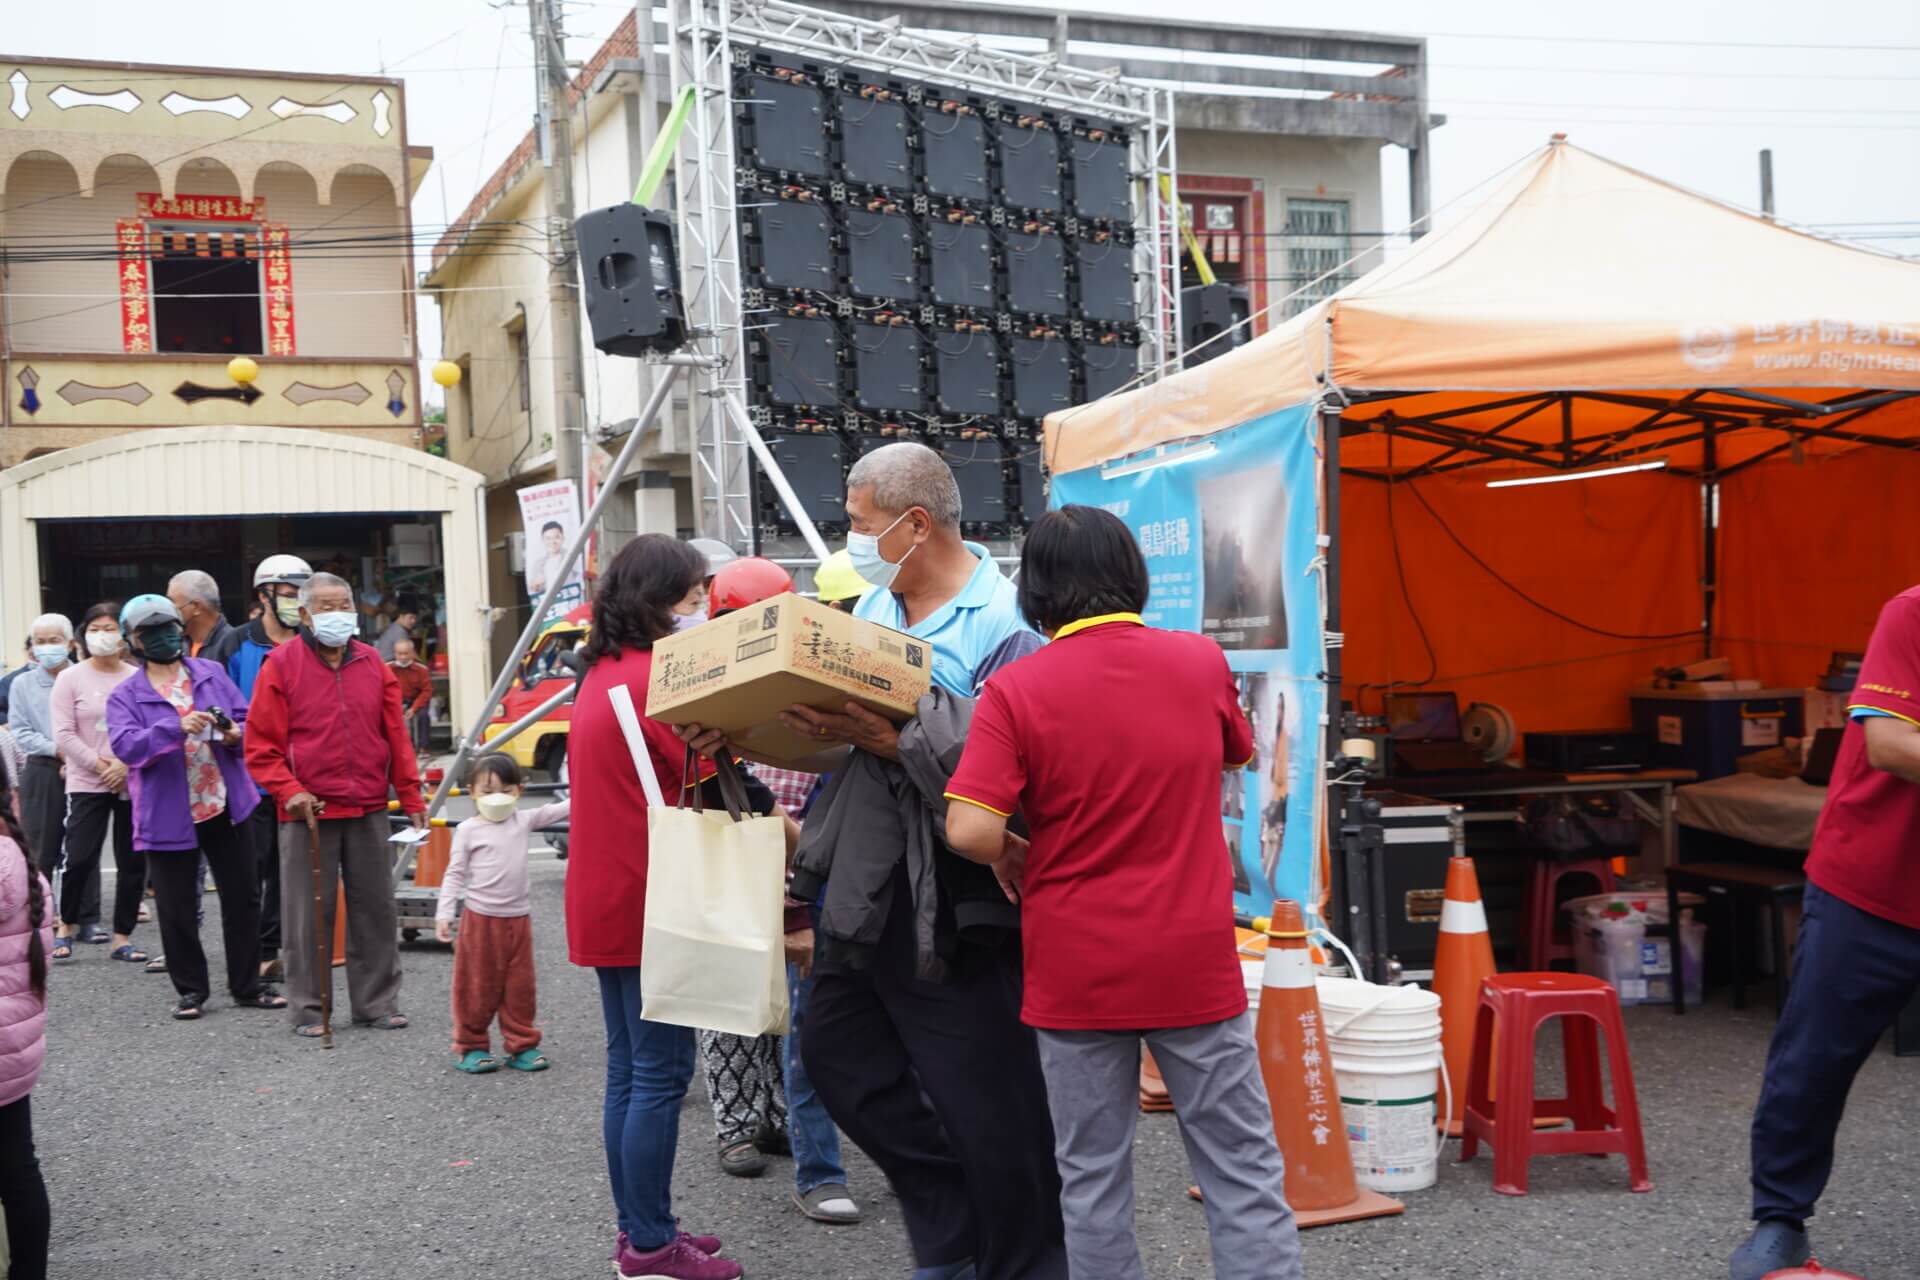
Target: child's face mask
496,806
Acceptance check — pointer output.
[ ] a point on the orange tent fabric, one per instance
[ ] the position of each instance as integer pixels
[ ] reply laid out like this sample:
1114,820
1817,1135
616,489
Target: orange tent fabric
1622,555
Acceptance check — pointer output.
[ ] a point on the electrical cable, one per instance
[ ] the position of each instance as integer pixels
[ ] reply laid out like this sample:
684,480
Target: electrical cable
1406,594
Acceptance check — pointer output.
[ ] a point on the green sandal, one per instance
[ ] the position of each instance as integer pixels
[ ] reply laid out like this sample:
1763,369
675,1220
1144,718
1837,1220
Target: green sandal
528,1060
477,1062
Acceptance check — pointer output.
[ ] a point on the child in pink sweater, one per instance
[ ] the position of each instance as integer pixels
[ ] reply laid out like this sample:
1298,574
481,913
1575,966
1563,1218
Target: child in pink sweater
493,963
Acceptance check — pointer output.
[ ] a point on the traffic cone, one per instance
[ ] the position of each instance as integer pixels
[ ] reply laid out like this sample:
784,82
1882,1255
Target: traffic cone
1462,960
1154,1096
1301,1090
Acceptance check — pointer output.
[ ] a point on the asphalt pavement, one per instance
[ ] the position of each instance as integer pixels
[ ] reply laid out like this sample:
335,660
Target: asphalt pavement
230,1148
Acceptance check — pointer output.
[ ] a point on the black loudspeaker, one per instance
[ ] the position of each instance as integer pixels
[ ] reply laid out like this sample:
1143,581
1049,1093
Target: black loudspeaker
631,275
1206,311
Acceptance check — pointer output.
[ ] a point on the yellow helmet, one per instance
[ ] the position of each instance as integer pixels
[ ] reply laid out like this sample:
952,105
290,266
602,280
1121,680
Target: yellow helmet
835,579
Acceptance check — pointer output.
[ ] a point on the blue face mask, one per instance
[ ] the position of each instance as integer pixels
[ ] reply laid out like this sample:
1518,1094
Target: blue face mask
50,656
863,549
335,629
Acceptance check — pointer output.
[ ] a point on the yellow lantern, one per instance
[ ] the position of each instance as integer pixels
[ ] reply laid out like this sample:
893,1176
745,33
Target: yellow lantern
446,373
242,370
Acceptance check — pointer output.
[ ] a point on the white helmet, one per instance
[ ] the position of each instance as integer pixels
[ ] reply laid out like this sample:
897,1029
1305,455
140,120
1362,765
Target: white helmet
282,568
718,554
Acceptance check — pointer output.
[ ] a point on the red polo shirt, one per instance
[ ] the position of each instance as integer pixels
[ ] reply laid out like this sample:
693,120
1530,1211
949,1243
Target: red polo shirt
1864,847
1111,741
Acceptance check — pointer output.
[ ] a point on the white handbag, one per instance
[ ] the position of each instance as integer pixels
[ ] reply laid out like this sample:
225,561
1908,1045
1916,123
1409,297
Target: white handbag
713,953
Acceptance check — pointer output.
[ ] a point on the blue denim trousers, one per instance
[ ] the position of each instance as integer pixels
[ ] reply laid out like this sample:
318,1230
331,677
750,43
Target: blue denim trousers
816,1143
649,1066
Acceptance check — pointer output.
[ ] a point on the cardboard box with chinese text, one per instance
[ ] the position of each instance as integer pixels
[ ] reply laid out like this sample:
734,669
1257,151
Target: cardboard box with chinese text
738,672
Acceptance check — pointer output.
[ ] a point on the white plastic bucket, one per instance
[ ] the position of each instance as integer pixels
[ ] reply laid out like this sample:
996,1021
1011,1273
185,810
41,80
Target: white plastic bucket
1384,1044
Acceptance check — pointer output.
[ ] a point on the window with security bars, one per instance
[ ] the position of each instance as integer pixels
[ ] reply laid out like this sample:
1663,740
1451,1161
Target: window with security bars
206,289
1319,241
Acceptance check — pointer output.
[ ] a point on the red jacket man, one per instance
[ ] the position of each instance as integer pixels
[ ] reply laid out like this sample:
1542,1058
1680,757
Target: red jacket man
326,739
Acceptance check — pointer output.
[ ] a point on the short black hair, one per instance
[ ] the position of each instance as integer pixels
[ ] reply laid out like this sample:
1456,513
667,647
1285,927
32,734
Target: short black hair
1080,562
633,604
554,525
105,609
503,769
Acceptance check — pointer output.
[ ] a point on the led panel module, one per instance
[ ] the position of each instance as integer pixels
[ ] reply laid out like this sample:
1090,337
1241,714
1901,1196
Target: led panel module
1106,281
880,261
1100,179
1109,368
1032,485
795,249
1036,273
887,368
966,374
954,151
979,466
789,126
961,255
802,361
1041,381
873,143
815,467
1030,168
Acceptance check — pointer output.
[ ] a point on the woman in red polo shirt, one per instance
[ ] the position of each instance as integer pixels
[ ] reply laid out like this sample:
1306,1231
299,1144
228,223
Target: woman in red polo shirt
653,583
1110,742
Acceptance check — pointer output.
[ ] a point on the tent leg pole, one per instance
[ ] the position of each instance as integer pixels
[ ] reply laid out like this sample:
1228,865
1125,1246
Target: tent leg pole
1709,537
1343,895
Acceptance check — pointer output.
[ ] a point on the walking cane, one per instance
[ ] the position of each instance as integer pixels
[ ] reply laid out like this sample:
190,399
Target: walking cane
323,937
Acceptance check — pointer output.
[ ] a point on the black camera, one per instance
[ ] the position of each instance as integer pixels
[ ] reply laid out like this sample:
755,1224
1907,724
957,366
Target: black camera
220,720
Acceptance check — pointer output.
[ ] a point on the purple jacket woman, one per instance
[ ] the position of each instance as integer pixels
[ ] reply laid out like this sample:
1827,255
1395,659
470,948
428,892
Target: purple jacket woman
184,810
145,731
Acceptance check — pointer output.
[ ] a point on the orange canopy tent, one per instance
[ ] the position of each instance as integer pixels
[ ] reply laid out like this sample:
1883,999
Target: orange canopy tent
1584,317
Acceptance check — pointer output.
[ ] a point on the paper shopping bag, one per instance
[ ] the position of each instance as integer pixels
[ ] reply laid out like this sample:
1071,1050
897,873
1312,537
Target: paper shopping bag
713,949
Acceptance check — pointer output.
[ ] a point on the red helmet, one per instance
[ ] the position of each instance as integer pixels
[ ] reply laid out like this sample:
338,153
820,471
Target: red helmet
746,581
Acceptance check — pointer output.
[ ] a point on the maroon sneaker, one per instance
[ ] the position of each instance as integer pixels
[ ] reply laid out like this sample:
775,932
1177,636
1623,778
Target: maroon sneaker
678,1259
705,1244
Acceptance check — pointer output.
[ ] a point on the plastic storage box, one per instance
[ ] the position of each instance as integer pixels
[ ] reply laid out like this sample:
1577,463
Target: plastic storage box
1625,940
1709,731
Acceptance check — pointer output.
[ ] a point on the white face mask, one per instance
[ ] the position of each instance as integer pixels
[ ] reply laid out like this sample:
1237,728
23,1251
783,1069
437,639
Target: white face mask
686,621
103,644
496,806
335,629
863,549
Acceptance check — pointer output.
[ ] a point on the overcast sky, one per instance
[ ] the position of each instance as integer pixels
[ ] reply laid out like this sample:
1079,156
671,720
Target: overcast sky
1688,91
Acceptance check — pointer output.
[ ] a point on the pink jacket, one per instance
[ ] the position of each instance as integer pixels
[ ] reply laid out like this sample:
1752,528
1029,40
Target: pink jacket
23,1015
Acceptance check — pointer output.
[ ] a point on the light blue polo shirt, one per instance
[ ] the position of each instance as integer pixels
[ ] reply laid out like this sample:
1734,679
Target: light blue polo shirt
973,635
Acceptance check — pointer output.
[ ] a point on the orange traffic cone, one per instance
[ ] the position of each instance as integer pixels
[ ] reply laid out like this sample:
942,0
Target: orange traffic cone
1154,1095
1307,1121
1461,962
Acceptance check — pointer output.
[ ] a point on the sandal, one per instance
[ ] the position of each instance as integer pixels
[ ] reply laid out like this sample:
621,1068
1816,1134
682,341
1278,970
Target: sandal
129,953
388,1022
261,999
310,1030
63,949
186,1010
157,965
477,1062
529,1060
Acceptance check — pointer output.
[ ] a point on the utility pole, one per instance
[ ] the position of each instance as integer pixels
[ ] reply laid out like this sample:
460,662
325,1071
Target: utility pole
1766,184
555,135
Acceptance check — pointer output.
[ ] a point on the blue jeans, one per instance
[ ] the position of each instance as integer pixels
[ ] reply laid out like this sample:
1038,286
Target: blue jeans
816,1143
649,1065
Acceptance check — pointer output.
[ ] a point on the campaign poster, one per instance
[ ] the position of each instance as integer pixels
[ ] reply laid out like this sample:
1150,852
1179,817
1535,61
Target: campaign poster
1230,532
550,516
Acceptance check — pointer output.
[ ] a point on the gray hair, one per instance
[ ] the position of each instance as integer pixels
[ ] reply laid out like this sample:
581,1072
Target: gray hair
52,622
196,584
318,581
905,475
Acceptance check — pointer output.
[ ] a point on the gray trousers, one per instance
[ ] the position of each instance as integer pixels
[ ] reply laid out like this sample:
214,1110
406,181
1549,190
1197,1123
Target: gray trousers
1213,1073
353,850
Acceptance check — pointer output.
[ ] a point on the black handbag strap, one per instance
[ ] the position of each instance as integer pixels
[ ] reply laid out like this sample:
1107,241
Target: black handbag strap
733,788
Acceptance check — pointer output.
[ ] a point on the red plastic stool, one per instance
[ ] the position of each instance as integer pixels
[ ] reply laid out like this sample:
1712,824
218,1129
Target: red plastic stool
1518,1003
1540,950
